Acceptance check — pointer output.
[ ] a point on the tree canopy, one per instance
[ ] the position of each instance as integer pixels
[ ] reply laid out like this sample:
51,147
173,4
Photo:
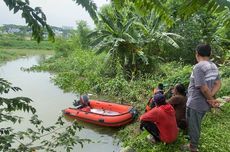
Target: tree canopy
36,19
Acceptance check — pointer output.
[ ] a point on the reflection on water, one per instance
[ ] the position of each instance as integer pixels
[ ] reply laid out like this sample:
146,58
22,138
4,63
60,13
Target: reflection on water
49,101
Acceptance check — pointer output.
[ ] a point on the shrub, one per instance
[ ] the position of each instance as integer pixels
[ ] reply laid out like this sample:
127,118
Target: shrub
225,88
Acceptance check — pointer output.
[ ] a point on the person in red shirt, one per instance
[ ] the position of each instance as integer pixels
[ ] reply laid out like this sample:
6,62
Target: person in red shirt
160,121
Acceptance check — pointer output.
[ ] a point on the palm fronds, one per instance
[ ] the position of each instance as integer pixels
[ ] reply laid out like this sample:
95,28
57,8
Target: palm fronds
90,7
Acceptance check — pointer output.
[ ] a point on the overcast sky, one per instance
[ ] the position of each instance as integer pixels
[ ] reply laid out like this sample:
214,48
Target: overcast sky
58,12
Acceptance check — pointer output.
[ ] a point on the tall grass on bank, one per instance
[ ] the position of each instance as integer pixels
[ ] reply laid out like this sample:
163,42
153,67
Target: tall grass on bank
16,42
79,72
82,72
10,54
13,46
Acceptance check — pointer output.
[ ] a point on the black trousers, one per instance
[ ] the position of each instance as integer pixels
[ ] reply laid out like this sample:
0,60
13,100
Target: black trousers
151,128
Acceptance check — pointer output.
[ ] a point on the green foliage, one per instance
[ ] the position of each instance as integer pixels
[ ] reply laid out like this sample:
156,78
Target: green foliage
225,71
116,39
224,16
12,104
173,73
214,6
13,41
202,27
80,35
35,18
115,87
145,6
131,40
90,7
225,77
79,72
193,5
10,54
6,55
187,8
63,47
225,88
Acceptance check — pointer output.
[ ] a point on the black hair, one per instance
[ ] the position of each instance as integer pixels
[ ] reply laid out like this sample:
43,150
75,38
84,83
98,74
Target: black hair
180,88
204,50
161,103
160,86
159,99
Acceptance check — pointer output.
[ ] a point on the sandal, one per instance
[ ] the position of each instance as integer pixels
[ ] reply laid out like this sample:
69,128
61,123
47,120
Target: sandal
151,139
187,147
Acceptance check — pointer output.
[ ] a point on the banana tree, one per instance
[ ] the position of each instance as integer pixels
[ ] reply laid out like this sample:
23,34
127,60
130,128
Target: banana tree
127,37
116,36
154,40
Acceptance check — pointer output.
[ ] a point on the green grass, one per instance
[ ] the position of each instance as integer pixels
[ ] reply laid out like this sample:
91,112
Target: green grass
13,46
10,54
16,42
215,135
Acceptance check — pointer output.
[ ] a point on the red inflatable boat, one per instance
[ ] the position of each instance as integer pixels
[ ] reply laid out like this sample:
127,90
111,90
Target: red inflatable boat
103,113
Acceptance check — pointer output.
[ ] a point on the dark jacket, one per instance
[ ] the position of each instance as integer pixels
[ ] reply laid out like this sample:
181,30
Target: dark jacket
179,104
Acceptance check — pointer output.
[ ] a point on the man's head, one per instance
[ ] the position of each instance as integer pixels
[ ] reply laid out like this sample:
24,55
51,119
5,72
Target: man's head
160,86
159,99
159,89
203,51
179,89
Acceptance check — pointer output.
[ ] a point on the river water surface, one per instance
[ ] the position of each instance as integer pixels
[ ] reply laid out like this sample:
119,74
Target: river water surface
49,100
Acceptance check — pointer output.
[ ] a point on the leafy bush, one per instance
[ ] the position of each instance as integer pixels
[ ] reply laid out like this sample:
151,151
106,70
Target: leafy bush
78,72
63,47
5,55
225,88
225,71
173,73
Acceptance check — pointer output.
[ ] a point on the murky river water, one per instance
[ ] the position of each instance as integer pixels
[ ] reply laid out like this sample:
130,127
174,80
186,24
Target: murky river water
49,101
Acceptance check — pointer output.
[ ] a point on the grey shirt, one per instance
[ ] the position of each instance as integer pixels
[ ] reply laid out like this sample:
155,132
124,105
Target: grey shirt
204,72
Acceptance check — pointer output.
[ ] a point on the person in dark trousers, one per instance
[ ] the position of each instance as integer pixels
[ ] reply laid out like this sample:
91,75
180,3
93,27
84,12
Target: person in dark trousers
160,121
204,84
178,101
